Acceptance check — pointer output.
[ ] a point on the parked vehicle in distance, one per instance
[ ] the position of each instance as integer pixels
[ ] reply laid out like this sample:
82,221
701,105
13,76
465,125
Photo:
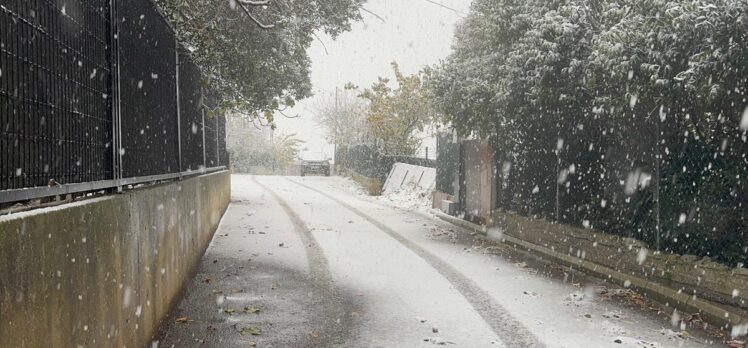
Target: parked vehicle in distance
315,163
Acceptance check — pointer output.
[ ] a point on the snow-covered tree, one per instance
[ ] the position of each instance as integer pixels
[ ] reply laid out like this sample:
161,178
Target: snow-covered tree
396,114
343,116
251,147
583,95
254,51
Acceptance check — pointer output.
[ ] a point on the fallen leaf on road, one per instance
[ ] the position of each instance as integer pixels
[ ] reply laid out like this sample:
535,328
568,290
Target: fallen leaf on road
207,280
252,330
252,344
252,310
237,290
437,341
229,310
182,320
612,315
218,291
314,334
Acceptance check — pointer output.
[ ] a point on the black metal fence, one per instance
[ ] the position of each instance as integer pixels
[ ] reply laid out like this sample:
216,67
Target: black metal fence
54,85
97,95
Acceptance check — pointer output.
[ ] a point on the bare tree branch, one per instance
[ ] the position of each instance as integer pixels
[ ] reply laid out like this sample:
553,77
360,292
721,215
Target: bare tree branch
254,2
373,14
286,116
323,44
446,7
243,5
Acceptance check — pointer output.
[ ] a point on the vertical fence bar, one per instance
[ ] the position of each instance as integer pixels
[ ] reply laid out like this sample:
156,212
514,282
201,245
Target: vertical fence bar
218,145
205,162
179,110
113,78
657,156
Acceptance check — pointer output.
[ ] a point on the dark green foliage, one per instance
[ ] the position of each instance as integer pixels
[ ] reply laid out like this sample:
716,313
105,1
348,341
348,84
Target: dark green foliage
623,115
256,69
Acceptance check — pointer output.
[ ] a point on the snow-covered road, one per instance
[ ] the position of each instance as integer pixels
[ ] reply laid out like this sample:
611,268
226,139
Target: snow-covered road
309,262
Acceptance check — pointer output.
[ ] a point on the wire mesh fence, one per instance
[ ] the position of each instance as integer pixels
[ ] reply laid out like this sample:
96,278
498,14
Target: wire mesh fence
148,67
191,111
54,93
98,92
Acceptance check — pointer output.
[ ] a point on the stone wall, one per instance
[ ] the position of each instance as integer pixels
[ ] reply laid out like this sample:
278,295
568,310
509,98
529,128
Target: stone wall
104,272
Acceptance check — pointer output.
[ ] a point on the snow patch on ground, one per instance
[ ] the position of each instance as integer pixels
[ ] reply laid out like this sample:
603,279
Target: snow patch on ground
409,187
408,197
353,186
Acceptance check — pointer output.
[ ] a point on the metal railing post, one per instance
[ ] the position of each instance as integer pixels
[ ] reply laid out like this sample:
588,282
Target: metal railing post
179,110
116,98
217,135
205,162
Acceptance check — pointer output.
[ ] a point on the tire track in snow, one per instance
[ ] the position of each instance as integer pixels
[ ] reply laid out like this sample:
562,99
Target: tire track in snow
318,265
509,330
334,317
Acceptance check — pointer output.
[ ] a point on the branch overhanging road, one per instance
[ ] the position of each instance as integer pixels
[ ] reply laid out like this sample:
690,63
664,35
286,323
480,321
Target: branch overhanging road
315,264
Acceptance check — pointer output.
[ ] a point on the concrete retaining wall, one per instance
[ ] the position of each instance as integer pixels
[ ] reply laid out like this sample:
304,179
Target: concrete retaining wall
104,272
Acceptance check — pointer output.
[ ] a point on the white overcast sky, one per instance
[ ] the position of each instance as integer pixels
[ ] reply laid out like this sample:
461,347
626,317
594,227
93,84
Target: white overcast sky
415,33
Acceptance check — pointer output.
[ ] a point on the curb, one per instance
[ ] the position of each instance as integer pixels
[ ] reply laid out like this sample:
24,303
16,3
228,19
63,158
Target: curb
711,313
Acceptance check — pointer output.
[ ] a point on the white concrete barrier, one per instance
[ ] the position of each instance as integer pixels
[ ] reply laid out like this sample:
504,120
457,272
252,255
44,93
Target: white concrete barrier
403,174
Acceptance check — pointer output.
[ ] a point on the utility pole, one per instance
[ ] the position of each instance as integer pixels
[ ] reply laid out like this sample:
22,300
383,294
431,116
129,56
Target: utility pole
657,156
337,130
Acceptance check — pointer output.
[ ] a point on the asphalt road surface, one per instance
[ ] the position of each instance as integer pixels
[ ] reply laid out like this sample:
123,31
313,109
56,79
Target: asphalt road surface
311,262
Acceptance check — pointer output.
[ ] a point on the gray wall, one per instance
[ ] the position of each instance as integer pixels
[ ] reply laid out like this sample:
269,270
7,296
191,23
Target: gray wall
105,271
472,164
